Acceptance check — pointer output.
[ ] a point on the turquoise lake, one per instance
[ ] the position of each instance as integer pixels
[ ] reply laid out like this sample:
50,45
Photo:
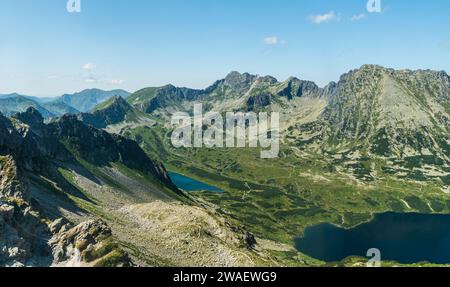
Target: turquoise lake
191,185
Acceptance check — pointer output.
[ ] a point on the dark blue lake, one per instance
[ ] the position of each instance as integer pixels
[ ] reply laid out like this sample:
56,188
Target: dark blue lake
190,184
403,237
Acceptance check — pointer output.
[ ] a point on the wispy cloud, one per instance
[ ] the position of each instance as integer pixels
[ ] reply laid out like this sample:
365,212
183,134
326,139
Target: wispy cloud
358,17
274,40
88,67
271,40
116,82
52,77
324,18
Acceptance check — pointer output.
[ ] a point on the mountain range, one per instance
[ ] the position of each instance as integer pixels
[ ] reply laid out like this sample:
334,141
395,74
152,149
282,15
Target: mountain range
401,117
93,186
83,101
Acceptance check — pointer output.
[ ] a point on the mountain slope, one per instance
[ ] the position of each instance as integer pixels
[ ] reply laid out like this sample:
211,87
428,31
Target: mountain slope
36,160
375,141
399,116
150,99
113,111
89,198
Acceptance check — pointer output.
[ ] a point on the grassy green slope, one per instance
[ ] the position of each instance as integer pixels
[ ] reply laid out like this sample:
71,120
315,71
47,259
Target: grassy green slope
277,199
142,96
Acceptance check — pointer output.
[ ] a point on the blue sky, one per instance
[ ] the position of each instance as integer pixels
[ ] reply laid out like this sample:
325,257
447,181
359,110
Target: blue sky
46,51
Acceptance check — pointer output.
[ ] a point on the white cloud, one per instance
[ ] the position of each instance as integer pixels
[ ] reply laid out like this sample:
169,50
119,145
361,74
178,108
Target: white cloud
323,18
272,40
88,67
358,17
116,82
52,77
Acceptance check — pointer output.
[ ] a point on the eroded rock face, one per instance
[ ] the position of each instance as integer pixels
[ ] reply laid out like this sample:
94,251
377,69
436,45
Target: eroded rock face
294,87
258,101
115,111
32,118
23,235
20,227
28,237
12,183
87,244
26,240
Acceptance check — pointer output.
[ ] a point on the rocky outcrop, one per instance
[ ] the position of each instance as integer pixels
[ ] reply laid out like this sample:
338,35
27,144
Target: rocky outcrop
238,83
257,102
28,240
32,118
169,96
12,183
112,112
87,244
296,88
23,235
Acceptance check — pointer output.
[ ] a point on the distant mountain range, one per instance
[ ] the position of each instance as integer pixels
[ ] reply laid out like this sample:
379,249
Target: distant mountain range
14,103
54,107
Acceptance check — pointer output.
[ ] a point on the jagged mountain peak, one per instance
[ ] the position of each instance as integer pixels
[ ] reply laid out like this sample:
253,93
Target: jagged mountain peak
368,69
31,117
113,111
168,87
267,80
239,82
234,75
294,87
115,102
